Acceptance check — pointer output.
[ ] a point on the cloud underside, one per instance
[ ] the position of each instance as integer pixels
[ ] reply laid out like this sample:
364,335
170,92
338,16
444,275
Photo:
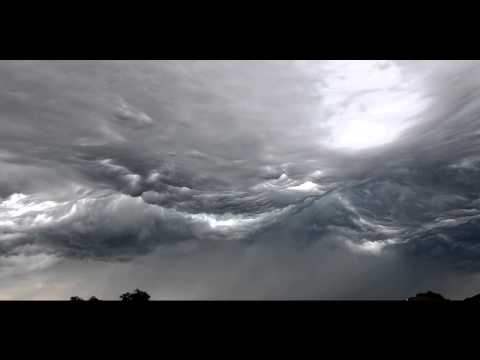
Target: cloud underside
299,169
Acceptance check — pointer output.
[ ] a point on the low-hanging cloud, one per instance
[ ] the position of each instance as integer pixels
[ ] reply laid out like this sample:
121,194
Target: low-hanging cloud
299,174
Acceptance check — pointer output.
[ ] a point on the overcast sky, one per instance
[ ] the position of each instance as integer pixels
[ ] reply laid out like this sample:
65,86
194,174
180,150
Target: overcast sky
239,179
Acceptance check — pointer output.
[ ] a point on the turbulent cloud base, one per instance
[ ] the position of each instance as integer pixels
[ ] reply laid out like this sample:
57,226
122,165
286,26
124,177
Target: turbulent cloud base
239,179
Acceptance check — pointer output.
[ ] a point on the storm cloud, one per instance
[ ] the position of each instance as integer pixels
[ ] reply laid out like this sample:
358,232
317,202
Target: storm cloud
239,179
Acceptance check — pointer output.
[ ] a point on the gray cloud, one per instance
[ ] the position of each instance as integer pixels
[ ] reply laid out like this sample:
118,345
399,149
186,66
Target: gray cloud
285,179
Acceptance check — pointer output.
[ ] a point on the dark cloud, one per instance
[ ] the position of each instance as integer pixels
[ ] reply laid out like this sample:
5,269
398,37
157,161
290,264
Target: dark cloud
243,179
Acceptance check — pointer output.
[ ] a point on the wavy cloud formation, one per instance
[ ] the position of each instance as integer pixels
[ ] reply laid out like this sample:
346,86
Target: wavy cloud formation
239,179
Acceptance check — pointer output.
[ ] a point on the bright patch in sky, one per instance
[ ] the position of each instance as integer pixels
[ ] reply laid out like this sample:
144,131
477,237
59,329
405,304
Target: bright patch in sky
364,134
370,102
371,247
306,186
19,204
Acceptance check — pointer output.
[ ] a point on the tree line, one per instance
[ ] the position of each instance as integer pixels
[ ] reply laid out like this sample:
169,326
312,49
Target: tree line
133,297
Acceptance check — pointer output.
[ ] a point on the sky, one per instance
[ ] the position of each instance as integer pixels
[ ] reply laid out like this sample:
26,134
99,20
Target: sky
278,179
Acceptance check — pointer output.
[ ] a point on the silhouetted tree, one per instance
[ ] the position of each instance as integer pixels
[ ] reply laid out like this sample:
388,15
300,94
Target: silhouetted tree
137,296
78,298
428,296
